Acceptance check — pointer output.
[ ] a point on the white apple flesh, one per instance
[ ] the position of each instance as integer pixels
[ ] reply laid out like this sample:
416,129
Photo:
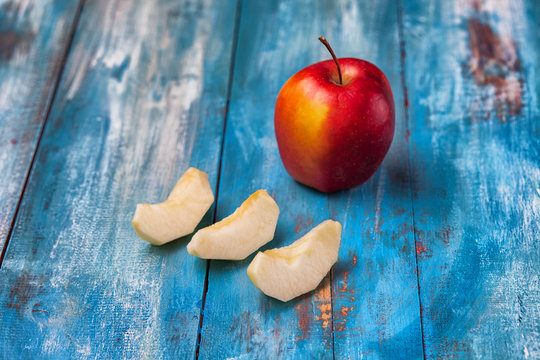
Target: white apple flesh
234,238
180,214
291,271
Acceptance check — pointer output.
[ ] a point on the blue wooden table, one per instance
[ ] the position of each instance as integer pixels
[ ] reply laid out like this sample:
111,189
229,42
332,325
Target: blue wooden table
105,103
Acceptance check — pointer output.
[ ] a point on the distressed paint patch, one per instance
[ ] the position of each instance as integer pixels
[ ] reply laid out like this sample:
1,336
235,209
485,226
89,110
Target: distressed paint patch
495,62
304,312
24,289
427,239
11,41
346,295
451,349
341,318
302,223
382,308
324,303
246,327
423,250
178,327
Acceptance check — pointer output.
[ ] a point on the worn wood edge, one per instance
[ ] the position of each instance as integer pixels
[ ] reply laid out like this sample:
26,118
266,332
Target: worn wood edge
58,70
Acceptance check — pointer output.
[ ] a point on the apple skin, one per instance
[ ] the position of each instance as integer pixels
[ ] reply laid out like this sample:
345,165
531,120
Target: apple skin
330,136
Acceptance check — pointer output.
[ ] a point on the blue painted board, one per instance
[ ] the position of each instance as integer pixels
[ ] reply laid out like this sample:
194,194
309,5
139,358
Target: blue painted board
34,37
142,98
439,257
472,76
239,321
377,313
376,309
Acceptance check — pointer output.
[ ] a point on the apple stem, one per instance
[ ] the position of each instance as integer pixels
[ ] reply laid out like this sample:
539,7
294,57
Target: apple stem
327,44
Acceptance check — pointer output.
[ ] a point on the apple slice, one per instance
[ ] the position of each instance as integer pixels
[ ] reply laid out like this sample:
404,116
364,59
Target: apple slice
251,226
178,216
293,270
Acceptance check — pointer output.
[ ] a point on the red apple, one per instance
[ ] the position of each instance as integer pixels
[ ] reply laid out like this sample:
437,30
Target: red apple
334,122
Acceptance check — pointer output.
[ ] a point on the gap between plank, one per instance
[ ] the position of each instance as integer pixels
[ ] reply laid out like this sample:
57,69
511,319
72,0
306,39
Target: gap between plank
56,83
402,56
226,117
331,292
332,310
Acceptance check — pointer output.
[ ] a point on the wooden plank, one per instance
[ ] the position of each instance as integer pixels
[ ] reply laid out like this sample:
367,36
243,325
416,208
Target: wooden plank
472,74
240,321
375,293
143,98
33,41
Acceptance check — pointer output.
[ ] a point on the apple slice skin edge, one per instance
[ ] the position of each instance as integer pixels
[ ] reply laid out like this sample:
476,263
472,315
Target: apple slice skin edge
237,236
310,258
180,214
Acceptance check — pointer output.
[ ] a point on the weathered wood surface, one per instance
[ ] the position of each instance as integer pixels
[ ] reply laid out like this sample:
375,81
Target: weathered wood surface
34,39
375,292
239,320
376,311
472,77
142,98
440,254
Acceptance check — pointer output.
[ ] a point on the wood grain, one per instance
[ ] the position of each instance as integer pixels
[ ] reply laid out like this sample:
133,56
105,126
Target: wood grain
439,258
143,98
375,295
240,321
472,75
34,37
376,311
